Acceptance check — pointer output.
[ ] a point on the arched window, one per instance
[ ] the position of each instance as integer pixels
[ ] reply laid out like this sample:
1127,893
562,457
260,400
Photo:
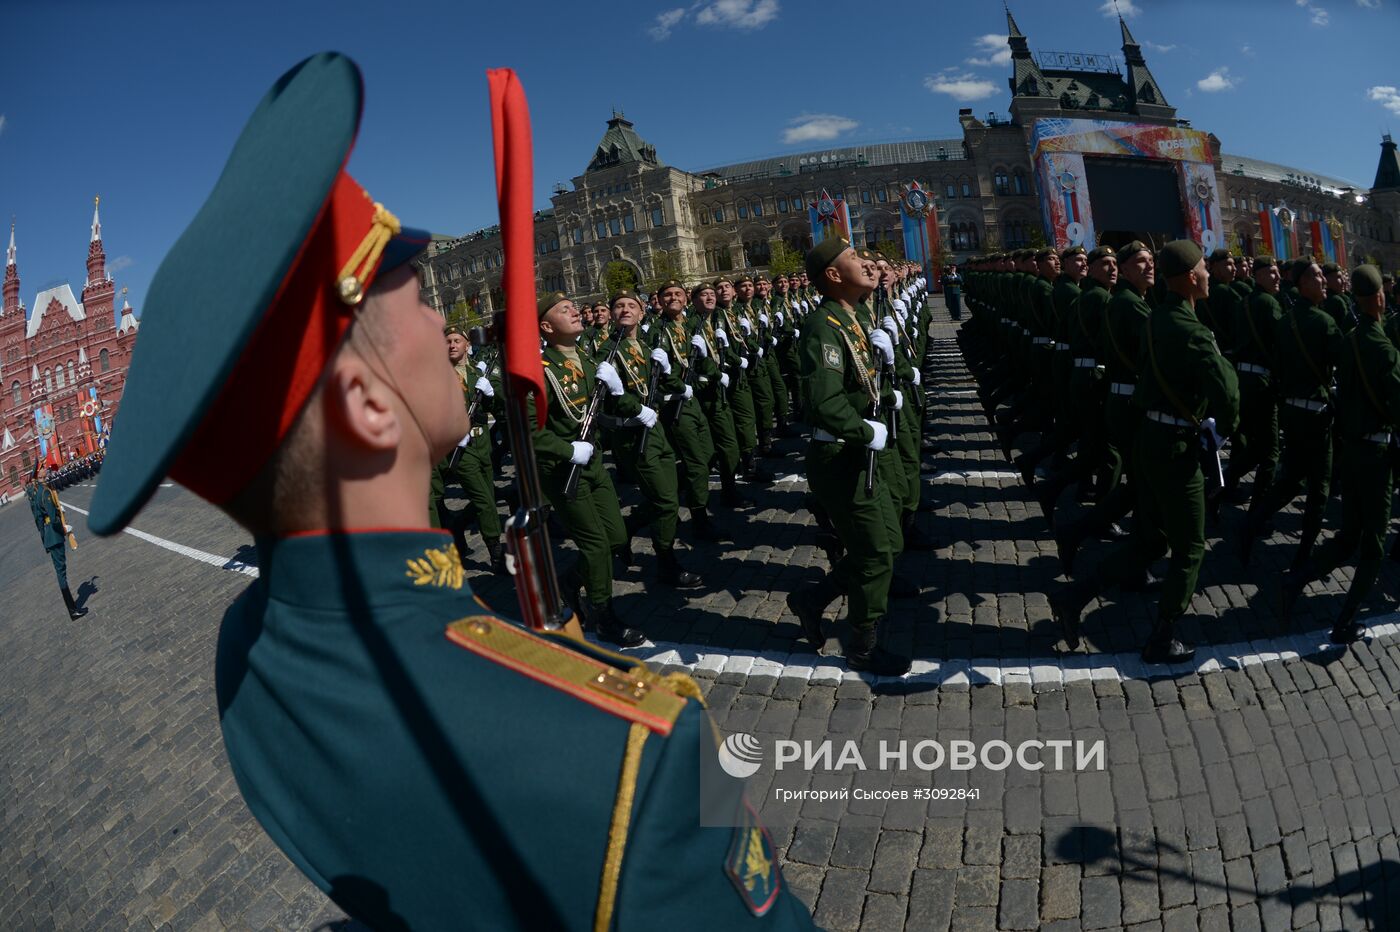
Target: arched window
71,380
48,380
743,209
1019,182
14,475
1001,183
757,252
15,391
104,361
58,376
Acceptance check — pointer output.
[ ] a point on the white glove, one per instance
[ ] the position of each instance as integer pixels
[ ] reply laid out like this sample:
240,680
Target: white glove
689,392
724,380
898,400
774,341
647,416
646,327
778,316
745,326
483,385
760,352
797,305
805,305
1209,424
482,366
918,377
763,319
698,342
881,432
899,304
723,337
889,326
903,315
878,339
659,357
583,452
743,362
609,377
466,440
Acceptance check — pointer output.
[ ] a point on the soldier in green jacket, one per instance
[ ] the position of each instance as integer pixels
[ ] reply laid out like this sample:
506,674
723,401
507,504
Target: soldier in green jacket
741,362
1183,384
1308,347
644,377
402,743
840,371
1220,310
1070,268
712,354
744,315
594,518
685,423
1244,280
1338,304
767,312
1256,445
51,523
1369,380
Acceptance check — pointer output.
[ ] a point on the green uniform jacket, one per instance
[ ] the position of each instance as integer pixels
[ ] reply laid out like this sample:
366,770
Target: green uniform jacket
1063,297
1086,328
838,399
1309,345
1223,309
1255,330
1339,309
430,776
569,386
48,517
1124,319
1188,360
1372,404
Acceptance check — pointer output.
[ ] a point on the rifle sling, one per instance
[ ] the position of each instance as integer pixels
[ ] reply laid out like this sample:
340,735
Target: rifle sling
1181,409
1307,357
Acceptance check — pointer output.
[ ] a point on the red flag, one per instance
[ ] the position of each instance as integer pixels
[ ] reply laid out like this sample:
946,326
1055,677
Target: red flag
510,131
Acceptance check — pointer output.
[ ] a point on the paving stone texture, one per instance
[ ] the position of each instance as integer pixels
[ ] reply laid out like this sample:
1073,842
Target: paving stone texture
1263,797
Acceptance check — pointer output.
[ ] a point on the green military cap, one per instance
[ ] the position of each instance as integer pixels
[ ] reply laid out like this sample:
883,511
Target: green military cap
1218,255
745,277
1073,251
548,300
1366,281
454,329
1179,257
823,254
702,286
759,277
1263,262
1044,254
721,280
623,293
1132,249
253,300
1330,268
669,283
1100,252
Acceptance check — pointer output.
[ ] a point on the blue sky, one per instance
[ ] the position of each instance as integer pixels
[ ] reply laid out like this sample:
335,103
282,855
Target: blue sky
141,101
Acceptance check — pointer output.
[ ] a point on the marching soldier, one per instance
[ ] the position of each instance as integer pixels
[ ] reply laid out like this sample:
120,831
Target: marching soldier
1369,379
1183,382
740,362
711,343
1220,310
1338,303
393,734
840,371
52,526
769,316
637,384
600,334
749,319
470,463
1256,446
1308,346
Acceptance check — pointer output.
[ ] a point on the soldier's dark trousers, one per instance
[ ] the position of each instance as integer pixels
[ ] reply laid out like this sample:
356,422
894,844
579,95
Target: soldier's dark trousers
1119,433
690,437
741,408
60,564
1255,444
594,521
724,436
1171,515
1367,487
656,476
1306,464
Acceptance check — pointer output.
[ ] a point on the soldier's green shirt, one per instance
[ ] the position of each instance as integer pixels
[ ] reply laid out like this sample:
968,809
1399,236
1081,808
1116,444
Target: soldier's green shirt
1371,404
1188,361
1223,308
837,367
1041,294
1124,319
1086,320
1255,330
569,382
1339,309
1308,346
1063,297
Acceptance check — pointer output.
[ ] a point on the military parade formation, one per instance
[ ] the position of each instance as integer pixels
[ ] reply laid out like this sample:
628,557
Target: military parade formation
1135,368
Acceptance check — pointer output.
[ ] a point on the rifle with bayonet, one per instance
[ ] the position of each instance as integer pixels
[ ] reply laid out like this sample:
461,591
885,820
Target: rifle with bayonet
588,423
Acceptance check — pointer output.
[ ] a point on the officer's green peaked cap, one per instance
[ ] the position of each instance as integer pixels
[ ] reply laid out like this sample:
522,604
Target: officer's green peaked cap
252,300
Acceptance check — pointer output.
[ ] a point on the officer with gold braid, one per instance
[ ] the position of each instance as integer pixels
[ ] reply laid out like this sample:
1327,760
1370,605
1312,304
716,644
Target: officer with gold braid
398,740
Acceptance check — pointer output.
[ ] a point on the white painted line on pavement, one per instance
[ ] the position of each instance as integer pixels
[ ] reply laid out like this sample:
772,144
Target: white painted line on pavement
223,563
956,475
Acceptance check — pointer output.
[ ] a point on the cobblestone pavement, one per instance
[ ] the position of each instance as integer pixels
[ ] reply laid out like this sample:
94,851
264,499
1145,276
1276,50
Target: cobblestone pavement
1257,795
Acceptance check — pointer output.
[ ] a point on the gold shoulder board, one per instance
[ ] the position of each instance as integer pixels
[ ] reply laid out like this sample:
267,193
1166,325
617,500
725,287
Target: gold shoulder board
834,321
635,694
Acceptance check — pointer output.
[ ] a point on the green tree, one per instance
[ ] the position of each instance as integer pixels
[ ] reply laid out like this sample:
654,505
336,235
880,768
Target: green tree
1036,240
618,276
665,265
890,249
783,259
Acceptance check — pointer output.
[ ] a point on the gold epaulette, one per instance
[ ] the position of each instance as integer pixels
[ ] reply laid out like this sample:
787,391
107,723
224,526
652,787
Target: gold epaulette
834,321
619,685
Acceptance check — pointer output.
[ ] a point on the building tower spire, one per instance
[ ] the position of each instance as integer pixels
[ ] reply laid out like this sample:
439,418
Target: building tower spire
1388,171
97,258
1026,77
1144,93
96,223
11,289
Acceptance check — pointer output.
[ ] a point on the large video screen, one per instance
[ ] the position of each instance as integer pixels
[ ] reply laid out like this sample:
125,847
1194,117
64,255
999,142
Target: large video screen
1134,198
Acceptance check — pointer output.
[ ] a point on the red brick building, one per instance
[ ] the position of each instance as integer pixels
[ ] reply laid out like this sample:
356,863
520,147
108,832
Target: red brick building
62,366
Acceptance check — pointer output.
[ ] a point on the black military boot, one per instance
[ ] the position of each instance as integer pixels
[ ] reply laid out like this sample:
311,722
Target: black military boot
497,551
1163,647
624,556
1067,543
808,604
915,539
784,428
730,494
74,613
902,587
1147,582
1346,630
1066,607
765,442
865,655
669,571
612,629
1248,536
1291,586
701,525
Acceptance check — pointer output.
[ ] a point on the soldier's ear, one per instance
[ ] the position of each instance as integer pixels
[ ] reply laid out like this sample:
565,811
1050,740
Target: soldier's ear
359,406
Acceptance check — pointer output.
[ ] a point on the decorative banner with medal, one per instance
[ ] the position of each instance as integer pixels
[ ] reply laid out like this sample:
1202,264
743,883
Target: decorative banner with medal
1278,232
830,217
1328,244
90,416
921,241
1058,148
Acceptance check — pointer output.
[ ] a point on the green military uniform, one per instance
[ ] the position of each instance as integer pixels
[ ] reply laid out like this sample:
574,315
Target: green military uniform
1221,309
1256,445
402,744
714,400
1308,346
740,358
51,524
473,469
1125,320
685,423
1369,381
1184,380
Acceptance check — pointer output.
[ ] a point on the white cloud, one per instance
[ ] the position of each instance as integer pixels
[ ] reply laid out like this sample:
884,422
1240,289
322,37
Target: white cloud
119,263
1218,80
816,127
665,22
2,122
1247,51
994,48
1387,96
1160,48
962,87
1124,8
1317,15
741,14
1369,4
